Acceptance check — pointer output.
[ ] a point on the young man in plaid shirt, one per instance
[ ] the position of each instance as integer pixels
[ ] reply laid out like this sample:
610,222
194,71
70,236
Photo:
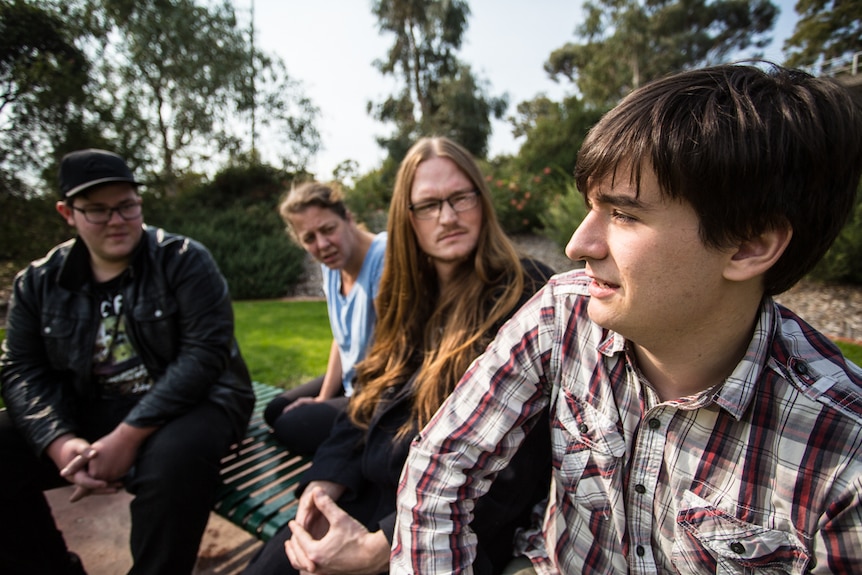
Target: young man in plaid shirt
697,426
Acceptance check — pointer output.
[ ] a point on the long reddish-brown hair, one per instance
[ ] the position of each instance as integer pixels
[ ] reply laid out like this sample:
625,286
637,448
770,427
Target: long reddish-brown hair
420,328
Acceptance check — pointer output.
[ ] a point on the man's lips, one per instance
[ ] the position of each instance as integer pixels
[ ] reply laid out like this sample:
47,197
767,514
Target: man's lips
604,284
600,287
117,236
451,234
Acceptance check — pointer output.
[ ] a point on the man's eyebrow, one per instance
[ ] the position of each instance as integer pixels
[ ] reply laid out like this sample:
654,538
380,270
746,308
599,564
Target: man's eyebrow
621,200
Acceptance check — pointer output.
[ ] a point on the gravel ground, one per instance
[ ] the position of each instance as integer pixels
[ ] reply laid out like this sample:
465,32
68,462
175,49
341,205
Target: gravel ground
835,310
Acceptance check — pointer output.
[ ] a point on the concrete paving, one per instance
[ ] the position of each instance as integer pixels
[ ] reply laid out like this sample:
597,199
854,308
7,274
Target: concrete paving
97,529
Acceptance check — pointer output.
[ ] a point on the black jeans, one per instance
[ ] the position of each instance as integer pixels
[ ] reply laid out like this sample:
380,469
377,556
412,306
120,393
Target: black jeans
303,428
174,483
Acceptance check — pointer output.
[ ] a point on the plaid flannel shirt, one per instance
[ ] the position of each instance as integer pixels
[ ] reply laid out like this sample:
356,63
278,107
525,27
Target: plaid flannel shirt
761,472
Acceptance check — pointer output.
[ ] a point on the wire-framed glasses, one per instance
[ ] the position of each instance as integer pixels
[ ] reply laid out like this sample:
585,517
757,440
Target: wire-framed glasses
103,214
460,202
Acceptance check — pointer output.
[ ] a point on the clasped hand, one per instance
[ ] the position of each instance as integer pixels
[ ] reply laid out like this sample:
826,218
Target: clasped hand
94,469
326,540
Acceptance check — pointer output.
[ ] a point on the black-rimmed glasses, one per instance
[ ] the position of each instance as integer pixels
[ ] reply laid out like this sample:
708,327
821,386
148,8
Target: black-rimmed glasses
460,202
103,214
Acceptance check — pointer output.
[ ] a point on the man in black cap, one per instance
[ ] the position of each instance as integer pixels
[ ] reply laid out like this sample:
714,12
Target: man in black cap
119,369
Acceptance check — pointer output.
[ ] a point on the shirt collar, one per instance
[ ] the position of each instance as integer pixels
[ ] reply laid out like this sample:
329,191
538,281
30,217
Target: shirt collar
739,388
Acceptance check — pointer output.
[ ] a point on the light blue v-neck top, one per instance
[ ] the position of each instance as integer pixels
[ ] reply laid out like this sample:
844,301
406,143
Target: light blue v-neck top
352,316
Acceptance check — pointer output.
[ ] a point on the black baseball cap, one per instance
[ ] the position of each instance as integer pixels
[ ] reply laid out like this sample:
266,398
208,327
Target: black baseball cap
83,169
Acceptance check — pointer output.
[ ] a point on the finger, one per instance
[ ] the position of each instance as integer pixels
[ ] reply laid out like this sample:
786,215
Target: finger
305,511
295,551
79,462
327,506
78,494
296,403
84,480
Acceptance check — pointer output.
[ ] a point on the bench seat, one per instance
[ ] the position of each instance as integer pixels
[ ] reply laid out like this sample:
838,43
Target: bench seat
259,476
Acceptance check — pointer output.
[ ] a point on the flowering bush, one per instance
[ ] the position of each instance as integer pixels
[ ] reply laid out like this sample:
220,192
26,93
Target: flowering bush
520,199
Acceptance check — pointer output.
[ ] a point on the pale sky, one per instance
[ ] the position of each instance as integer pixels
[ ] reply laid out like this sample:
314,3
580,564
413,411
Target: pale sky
329,46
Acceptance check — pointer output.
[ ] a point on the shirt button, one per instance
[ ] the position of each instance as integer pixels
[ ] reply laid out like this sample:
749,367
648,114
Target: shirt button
158,313
640,488
801,368
737,547
583,428
640,550
47,329
654,423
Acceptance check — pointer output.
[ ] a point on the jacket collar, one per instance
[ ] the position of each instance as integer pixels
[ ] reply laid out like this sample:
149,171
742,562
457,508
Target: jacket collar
75,273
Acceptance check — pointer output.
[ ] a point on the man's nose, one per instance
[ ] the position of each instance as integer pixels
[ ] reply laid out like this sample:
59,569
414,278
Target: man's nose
587,241
112,214
447,212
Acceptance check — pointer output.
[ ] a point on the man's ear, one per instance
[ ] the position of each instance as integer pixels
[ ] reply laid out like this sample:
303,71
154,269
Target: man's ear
756,255
66,211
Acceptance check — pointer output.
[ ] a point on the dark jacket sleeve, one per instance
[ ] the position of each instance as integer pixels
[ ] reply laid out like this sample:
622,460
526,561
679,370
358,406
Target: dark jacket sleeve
339,458
40,399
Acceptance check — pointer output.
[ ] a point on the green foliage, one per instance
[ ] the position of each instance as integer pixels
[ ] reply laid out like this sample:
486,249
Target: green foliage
284,343
440,95
43,76
843,261
251,248
519,198
564,214
369,199
167,85
554,132
626,43
29,227
825,30
236,217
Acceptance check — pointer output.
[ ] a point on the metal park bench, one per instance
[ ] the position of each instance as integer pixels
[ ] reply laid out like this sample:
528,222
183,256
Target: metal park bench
259,476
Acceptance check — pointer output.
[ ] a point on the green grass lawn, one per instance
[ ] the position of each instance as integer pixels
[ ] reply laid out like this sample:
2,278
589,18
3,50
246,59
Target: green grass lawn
851,351
284,343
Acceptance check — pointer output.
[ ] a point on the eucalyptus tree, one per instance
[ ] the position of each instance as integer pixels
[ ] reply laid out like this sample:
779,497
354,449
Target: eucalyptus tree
439,94
43,80
181,73
625,43
826,30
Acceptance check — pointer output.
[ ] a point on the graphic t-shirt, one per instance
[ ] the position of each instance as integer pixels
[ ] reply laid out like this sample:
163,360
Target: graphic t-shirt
117,367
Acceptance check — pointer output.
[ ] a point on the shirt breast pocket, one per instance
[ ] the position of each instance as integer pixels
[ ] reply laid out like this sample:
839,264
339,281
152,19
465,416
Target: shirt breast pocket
58,333
732,545
157,320
588,452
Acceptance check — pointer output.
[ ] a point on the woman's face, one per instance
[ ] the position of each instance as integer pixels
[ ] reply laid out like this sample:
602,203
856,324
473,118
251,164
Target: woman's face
450,236
325,235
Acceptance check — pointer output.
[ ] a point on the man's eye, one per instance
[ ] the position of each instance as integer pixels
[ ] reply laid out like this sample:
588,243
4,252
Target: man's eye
425,208
621,217
97,211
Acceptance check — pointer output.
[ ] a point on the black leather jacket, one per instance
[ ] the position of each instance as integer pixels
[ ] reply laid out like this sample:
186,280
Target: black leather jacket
178,315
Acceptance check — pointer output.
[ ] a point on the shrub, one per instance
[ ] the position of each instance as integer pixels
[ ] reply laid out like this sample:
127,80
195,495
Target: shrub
521,198
369,199
235,216
29,227
843,262
565,213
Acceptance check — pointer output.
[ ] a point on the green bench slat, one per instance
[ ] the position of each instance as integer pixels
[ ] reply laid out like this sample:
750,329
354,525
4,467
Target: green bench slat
259,476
